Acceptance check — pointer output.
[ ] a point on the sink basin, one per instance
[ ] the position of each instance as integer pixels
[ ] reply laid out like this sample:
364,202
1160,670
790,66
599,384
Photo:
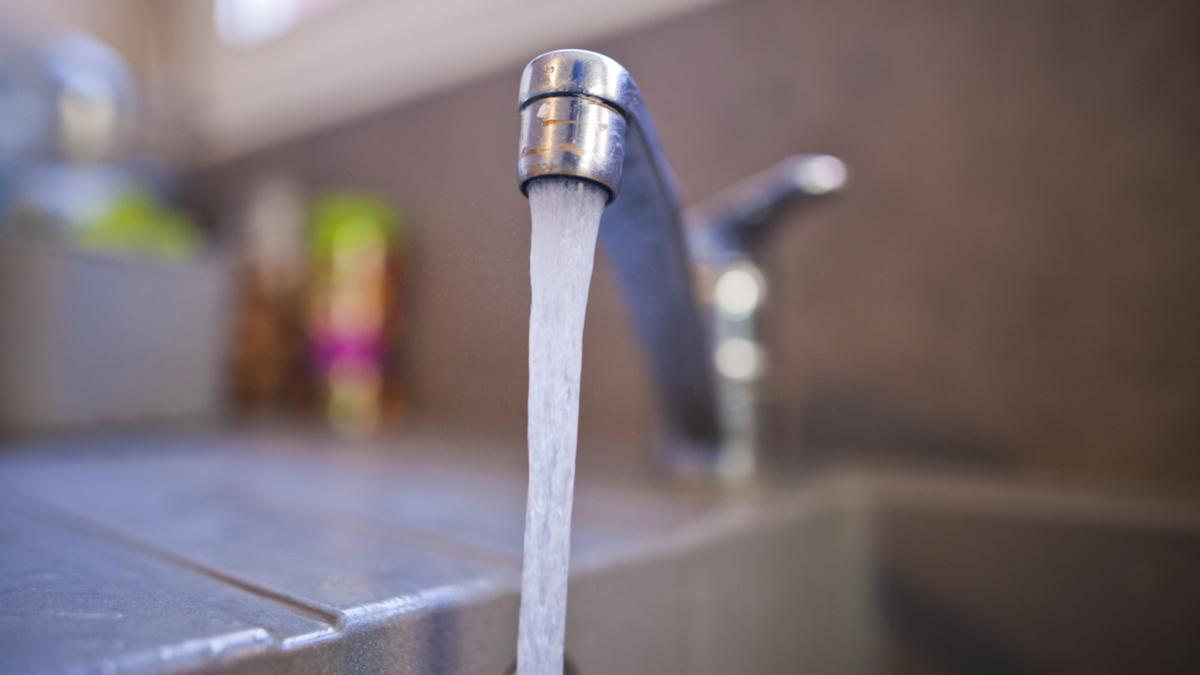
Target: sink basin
290,555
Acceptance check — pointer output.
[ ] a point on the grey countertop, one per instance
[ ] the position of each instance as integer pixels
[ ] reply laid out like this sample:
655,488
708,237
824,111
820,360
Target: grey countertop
272,554
149,555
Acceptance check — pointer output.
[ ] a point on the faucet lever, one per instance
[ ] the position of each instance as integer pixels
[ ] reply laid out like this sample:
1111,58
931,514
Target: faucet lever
738,217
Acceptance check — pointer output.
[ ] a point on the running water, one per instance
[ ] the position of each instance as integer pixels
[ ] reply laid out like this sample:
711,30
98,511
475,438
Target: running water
566,218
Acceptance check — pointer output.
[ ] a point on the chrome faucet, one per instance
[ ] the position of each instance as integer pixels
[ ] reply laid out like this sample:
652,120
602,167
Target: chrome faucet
583,117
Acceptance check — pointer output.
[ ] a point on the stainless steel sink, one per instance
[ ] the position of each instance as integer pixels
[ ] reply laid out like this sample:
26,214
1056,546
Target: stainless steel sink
286,555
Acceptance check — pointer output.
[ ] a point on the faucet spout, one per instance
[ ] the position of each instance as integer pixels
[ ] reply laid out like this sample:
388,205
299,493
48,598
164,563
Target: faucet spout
583,117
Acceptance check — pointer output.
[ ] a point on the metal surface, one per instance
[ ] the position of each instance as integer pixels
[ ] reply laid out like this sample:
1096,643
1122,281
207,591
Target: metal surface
573,105
281,557
578,72
641,231
582,116
278,557
727,230
572,136
78,599
735,219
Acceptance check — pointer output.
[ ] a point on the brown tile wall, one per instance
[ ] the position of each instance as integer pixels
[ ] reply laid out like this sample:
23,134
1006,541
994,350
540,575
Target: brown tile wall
1016,273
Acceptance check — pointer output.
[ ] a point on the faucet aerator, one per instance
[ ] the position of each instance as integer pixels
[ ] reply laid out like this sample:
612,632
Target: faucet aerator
572,119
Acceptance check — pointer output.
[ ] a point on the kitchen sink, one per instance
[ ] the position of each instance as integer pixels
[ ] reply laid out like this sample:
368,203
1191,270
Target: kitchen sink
302,555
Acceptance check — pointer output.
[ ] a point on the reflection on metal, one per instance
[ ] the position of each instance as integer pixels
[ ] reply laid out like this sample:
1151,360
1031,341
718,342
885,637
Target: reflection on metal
642,230
280,556
820,175
739,290
726,230
739,359
582,116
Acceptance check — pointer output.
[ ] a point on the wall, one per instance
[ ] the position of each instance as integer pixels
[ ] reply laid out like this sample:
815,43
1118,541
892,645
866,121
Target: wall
121,24
1014,277
354,57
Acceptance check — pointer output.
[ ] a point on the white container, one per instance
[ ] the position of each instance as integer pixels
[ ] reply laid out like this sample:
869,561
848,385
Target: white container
89,338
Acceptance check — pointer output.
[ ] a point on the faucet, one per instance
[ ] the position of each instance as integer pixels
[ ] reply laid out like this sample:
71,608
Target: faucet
583,117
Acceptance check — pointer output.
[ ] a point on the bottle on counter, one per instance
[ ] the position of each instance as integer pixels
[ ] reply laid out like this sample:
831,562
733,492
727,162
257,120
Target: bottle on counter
356,246
271,374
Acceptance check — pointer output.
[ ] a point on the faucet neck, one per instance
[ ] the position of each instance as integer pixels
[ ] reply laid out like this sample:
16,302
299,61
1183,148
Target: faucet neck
582,116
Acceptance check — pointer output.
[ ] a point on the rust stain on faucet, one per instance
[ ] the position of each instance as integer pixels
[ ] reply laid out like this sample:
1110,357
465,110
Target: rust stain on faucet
545,150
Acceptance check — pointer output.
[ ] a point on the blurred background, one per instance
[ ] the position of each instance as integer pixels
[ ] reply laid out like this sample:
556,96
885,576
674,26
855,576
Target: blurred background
264,308
303,212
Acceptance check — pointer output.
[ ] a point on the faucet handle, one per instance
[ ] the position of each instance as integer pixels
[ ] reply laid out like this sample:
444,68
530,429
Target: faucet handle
735,218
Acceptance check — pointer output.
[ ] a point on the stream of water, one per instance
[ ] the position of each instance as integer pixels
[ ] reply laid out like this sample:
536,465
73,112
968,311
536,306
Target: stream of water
566,219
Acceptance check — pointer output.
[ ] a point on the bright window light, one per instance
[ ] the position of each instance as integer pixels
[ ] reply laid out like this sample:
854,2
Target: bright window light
249,23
